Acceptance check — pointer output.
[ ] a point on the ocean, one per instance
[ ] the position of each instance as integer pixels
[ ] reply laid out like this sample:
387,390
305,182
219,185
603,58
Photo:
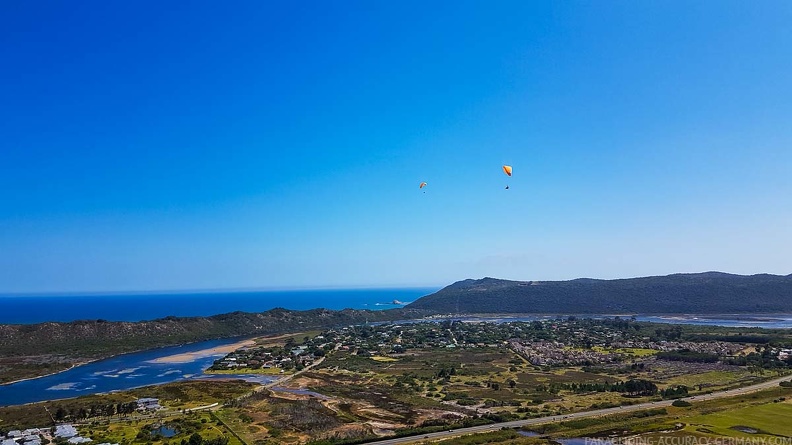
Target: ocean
24,309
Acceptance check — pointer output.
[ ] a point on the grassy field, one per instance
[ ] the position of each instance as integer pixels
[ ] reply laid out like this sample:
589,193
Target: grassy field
712,379
380,358
764,411
498,380
767,419
634,352
281,340
137,432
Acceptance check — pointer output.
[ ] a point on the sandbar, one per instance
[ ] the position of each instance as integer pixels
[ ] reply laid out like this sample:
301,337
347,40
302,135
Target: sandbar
187,357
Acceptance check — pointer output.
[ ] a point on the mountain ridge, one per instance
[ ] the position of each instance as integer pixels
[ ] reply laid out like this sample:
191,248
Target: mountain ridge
698,293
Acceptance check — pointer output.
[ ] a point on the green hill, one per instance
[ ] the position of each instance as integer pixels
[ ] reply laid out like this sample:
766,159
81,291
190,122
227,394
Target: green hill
33,350
702,293
99,338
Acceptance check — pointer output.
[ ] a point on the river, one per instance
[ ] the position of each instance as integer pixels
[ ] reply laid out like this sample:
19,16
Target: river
120,373
142,368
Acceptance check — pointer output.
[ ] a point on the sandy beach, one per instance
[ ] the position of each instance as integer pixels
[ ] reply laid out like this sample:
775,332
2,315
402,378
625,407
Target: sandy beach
188,357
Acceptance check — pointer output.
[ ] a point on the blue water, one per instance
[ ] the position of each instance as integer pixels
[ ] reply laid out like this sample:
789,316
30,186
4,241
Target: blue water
135,307
164,431
118,373
769,321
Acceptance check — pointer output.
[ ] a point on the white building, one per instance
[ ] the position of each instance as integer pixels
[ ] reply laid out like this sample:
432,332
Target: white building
65,431
148,403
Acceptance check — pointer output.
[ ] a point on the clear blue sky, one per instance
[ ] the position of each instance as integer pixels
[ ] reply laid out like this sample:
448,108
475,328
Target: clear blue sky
184,145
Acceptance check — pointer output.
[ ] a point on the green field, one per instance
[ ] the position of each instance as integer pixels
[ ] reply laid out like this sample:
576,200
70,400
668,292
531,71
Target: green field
768,419
711,378
634,352
174,396
132,432
767,412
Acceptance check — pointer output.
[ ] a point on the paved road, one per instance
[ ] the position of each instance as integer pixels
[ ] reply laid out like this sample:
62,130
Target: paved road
579,415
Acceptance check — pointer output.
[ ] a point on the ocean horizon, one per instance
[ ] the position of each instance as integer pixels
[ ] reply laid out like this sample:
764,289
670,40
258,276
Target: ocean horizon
28,309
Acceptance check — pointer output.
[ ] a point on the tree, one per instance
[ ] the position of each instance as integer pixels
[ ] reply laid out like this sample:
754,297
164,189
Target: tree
195,439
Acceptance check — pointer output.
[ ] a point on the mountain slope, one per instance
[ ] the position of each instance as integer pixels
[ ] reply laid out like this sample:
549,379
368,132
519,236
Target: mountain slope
38,349
97,338
703,293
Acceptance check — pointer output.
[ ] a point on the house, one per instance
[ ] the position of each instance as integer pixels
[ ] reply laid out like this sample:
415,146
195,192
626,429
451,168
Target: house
78,440
65,431
148,404
8,442
14,434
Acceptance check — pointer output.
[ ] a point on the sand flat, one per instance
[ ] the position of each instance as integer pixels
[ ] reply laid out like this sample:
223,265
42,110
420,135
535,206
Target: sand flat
188,357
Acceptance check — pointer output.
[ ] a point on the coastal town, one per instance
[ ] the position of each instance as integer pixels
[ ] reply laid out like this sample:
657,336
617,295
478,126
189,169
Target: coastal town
558,342
406,377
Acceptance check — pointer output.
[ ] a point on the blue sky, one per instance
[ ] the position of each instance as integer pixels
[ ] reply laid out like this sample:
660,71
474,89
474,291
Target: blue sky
149,146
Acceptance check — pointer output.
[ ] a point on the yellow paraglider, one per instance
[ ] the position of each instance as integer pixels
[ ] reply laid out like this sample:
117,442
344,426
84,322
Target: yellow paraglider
423,184
508,170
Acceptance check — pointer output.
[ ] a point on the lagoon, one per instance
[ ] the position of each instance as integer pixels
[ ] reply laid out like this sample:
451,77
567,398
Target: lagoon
122,372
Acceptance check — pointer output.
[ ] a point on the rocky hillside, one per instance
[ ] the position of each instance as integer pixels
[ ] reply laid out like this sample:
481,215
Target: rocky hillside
704,293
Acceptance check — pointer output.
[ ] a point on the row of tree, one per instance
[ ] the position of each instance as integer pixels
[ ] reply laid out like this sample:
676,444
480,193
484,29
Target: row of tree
633,387
95,410
686,355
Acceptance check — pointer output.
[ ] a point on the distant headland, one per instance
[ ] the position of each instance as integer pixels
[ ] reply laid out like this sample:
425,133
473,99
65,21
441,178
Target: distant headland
699,293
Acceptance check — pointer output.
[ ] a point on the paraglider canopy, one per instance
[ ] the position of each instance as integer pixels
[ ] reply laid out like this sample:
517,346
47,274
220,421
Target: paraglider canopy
507,169
423,184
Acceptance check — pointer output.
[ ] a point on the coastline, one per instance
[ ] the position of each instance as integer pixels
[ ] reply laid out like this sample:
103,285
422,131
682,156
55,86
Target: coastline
175,358
188,357
73,365
87,362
